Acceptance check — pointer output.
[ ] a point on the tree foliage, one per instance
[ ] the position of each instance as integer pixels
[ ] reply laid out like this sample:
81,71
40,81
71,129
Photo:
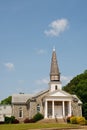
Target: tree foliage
78,86
7,100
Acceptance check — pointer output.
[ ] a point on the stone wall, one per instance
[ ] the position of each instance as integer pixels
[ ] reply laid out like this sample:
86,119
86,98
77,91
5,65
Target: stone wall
32,109
15,111
29,109
33,105
76,109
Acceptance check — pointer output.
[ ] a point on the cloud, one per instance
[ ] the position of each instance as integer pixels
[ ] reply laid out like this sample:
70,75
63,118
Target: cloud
66,79
9,66
41,51
57,27
42,81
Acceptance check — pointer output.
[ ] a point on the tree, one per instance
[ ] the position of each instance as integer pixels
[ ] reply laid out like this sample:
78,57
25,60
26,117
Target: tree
78,86
7,100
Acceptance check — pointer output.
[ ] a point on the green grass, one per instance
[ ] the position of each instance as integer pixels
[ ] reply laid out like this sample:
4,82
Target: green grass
35,126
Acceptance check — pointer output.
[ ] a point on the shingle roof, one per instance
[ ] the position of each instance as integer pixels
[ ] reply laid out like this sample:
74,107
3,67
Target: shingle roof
54,70
20,98
40,93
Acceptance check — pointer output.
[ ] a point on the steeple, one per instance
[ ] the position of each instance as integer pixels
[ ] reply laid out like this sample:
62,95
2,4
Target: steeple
54,70
54,83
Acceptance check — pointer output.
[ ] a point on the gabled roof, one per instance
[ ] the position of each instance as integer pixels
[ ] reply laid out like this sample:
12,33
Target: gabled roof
40,93
59,93
20,98
75,98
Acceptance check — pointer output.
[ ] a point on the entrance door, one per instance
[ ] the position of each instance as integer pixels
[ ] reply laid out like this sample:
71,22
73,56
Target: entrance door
58,109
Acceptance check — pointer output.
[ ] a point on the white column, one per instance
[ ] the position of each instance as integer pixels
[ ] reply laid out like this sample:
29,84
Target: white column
70,111
63,104
45,109
52,109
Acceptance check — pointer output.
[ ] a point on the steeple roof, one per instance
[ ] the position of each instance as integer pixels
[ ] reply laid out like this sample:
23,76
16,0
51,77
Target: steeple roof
54,70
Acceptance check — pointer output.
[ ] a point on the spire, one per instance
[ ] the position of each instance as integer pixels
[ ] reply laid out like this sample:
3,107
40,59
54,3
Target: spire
54,48
54,71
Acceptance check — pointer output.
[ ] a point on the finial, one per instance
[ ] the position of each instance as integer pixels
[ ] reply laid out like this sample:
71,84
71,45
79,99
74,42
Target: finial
54,48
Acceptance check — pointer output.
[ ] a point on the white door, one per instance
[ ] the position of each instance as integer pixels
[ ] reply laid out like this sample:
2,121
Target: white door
58,110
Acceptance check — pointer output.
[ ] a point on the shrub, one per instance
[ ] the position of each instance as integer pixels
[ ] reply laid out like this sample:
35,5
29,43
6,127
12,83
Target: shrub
68,119
27,120
73,120
12,119
15,121
81,120
1,122
31,120
78,120
38,117
9,120
85,122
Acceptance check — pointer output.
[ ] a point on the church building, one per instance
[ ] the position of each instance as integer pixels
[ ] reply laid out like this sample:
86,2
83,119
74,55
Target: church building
52,103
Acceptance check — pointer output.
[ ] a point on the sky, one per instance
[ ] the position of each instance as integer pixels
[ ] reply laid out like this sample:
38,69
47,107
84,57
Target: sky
29,30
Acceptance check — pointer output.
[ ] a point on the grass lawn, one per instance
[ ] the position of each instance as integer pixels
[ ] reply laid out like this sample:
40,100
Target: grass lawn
35,126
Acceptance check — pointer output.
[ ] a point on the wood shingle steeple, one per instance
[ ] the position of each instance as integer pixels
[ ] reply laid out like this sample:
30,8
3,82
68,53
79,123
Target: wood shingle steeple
54,70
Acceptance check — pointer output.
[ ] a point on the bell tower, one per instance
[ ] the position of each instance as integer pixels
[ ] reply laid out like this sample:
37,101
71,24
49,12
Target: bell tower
55,83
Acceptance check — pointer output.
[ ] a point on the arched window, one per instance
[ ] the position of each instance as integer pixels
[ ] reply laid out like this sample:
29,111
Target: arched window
20,112
55,87
38,108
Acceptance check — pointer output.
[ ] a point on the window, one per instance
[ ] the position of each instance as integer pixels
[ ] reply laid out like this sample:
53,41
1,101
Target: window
20,112
56,87
38,108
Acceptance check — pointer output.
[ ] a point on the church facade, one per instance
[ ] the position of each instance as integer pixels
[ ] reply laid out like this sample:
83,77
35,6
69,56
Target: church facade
52,103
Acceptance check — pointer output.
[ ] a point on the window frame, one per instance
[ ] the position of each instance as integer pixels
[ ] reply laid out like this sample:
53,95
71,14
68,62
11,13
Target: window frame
38,108
20,112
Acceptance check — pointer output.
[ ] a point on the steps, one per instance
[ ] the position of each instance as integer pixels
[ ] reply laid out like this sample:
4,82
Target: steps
56,120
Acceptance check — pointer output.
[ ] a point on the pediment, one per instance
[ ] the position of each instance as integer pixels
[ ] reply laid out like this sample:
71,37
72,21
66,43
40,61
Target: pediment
59,93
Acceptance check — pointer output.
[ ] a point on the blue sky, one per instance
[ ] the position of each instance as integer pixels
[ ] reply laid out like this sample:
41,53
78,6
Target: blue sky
28,31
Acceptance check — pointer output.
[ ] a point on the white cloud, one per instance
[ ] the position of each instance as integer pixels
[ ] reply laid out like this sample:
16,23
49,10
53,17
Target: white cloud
42,81
9,66
57,27
66,79
41,51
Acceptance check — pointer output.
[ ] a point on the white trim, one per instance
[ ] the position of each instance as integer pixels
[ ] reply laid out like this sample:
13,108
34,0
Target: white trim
53,109
57,99
63,103
45,109
69,113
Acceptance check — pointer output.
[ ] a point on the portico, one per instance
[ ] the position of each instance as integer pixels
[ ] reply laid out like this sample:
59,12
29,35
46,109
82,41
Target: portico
55,108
